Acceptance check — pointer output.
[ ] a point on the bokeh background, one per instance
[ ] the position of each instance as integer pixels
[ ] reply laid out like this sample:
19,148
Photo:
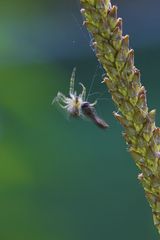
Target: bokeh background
66,179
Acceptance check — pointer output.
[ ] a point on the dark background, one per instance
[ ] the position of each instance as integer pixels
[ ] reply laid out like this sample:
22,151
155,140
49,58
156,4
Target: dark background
64,179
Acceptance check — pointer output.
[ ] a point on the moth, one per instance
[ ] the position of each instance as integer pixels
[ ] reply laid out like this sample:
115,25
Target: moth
77,105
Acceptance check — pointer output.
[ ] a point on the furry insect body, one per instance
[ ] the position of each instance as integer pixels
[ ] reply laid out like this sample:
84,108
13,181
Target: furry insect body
77,106
75,110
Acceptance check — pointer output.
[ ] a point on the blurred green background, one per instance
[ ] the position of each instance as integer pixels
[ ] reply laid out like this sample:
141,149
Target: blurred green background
66,179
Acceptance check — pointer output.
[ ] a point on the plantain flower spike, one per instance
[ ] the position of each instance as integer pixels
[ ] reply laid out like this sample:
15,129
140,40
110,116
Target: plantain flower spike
123,81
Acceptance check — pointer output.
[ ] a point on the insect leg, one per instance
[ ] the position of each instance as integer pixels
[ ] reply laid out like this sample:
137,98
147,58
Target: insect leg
60,98
93,104
54,100
71,89
83,94
63,106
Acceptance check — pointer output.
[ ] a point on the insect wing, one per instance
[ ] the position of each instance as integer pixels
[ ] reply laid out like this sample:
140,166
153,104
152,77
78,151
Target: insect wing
90,112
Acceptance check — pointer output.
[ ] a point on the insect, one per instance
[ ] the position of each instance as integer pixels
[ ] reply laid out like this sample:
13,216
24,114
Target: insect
77,105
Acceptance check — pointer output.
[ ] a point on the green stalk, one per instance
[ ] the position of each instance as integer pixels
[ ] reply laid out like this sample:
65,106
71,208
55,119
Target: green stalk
123,81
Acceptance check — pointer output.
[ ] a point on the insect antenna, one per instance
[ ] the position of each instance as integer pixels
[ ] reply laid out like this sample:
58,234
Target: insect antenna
92,82
88,38
86,35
